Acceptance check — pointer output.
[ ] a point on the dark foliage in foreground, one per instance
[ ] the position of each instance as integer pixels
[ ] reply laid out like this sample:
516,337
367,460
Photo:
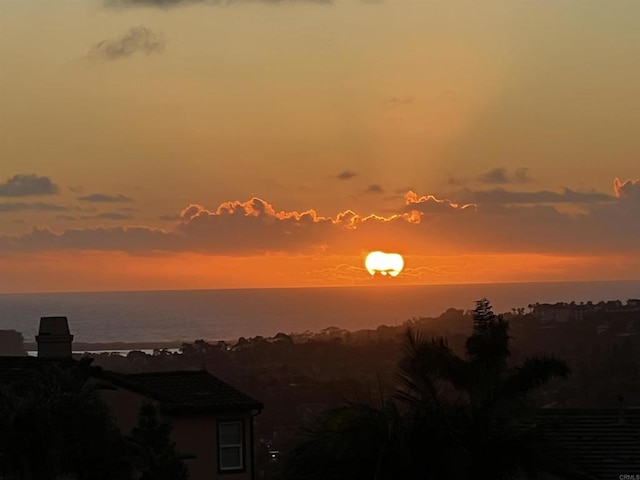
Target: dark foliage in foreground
450,417
54,425
155,454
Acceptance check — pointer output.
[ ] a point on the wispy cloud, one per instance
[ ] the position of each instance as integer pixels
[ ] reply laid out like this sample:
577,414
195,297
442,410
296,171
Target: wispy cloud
97,216
397,101
135,40
108,216
36,207
374,188
346,175
23,185
496,176
501,175
179,3
105,198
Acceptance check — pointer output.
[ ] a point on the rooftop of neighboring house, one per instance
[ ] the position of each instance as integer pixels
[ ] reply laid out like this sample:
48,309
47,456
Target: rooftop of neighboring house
186,391
189,392
601,443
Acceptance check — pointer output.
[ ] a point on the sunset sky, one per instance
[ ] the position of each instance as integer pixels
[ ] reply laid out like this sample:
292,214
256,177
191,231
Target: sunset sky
166,144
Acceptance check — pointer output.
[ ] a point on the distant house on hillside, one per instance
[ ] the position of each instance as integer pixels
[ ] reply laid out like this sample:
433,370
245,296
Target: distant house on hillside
560,312
212,421
564,312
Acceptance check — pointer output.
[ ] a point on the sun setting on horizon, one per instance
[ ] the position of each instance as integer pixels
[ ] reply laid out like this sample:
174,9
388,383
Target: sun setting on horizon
385,264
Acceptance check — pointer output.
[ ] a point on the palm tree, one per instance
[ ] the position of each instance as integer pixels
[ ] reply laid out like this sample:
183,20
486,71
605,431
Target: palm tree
479,402
450,418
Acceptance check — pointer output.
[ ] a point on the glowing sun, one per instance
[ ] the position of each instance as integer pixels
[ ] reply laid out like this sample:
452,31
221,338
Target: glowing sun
386,264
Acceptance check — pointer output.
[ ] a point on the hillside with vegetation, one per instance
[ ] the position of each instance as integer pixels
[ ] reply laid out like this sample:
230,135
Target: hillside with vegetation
299,376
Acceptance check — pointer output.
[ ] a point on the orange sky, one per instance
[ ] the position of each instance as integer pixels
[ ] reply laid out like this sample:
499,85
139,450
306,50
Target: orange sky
203,144
99,271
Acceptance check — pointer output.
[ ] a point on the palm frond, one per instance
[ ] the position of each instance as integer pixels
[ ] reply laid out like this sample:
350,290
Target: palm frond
533,373
426,366
342,443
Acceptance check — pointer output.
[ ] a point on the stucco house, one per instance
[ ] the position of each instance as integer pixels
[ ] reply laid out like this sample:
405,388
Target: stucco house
212,421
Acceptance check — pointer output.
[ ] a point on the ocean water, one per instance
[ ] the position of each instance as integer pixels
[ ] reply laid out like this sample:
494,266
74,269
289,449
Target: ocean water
154,316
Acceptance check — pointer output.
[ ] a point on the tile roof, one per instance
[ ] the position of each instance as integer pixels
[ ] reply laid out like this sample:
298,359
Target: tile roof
177,391
602,443
193,391
14,368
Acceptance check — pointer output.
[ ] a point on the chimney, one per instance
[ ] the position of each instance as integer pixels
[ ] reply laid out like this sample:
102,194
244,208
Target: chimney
54,339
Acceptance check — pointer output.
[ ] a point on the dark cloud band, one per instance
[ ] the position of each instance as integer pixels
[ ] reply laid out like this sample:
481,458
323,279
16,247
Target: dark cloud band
422,223
346,175
34,207
105,198
502,196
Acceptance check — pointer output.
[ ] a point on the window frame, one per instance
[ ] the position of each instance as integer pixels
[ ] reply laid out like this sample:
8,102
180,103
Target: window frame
243,457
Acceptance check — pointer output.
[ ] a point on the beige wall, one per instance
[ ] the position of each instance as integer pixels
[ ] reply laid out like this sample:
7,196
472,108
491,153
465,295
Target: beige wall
125,406
198,435
195,435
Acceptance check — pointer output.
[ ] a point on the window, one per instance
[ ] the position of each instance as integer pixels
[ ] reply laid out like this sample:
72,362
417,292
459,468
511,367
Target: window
230,446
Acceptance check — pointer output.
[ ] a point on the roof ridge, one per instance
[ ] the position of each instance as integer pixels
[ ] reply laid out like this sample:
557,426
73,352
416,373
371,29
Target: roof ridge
590,409
169,372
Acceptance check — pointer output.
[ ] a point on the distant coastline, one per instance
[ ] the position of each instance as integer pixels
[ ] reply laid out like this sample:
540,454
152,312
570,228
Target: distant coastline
81,347
164,319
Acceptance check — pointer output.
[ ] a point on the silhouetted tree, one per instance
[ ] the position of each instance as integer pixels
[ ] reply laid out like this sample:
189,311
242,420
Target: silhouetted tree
154,453
11,343
54,423
356,442
451,417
